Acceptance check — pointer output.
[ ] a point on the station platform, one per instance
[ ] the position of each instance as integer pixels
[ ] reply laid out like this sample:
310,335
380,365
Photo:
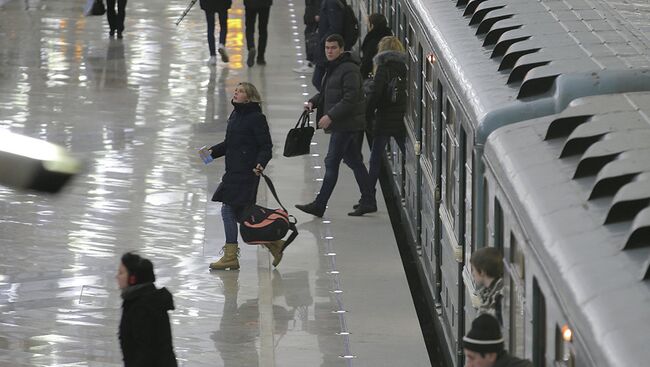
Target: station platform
136,110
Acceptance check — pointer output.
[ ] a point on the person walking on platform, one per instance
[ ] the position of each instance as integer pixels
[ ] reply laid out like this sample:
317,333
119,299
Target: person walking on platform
487,271
340,111
116,20
145,333
330,21
247,150
377,29
389,63
483,345
210,7
312,7
255,8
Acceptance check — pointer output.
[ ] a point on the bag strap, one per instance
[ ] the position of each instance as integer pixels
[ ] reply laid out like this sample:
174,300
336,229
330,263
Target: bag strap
269,183
294,232
303,120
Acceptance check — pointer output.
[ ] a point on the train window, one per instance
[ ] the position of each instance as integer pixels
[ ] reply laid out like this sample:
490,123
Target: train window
564,355
539,326
428,126
450,144
411,39
517,257
517,292
498,225
391,14
486,214
428,72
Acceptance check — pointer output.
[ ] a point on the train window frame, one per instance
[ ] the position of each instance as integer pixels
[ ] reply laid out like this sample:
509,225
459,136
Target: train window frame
516,294
498,225
487,231
450,142
539,325
427,125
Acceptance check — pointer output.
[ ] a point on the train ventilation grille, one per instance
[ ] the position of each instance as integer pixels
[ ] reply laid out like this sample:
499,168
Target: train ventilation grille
629,201
620,172
640,231
564,126
646,273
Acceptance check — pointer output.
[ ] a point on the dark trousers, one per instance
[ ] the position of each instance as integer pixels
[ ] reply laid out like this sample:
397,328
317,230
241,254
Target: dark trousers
310,46
251,16
116,20
377,149
223,29
345,146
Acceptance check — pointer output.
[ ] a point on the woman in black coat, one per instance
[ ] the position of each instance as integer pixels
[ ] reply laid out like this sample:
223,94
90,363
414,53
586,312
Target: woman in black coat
247,148
145,334
220,7
390,63
377,29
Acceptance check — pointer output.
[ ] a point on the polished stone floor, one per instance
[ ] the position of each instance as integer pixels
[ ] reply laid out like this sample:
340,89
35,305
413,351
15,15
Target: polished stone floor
136,110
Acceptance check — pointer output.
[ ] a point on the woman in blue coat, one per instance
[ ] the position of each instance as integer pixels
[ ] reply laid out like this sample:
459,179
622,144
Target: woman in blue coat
247,150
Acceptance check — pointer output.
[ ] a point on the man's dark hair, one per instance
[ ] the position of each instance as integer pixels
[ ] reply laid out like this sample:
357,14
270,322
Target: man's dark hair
377,20
139,267
336,38
488,260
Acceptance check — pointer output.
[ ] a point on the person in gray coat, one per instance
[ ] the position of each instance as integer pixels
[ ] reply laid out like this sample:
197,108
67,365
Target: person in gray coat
341,112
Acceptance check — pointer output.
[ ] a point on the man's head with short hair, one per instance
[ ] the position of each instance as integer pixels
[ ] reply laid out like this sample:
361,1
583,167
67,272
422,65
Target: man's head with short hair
334,46
483,343
487,261
377,20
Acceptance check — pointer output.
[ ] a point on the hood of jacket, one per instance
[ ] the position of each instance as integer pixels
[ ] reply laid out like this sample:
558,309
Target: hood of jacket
155,298
377,33
385,57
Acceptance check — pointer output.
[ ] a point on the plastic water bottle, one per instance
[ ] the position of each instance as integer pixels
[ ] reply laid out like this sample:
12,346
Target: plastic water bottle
205,155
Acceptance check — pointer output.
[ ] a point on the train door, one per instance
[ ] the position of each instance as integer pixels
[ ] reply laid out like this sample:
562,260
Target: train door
514,291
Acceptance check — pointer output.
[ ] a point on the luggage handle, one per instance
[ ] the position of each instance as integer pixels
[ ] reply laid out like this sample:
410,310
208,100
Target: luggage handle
303,120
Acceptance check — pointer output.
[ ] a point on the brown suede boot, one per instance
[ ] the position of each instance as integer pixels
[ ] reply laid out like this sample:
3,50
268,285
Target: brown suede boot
229,259
276,248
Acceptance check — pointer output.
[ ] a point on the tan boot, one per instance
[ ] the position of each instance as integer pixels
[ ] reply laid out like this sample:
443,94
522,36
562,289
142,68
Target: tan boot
229,259
276,248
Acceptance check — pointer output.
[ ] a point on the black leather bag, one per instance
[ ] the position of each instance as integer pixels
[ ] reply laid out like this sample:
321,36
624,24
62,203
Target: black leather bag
98,8
260,225
298,139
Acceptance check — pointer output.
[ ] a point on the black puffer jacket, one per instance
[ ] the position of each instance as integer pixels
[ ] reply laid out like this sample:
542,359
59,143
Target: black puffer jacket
506,360
389,117
216,5
312,8
256,4
247,143
369,48
145,333
342,96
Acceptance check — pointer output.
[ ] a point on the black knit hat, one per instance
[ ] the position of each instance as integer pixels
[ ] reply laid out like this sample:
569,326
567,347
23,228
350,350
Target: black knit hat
484,336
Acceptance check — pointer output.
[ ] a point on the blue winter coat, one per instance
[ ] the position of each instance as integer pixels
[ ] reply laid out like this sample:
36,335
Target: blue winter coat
247,144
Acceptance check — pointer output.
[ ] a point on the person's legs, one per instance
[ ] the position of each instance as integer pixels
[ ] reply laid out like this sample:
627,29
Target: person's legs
229,260
250,15
229,217
121,15
223,27
339,142
378,148
354,159
209,19
309,51
111,16
263,33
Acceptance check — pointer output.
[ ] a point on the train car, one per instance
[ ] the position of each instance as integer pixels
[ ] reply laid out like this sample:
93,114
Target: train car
475,66
574,193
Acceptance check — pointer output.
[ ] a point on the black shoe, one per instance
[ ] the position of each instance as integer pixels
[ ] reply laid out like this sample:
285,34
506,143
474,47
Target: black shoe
363,209
111,33
312,209
355,206
250,61
119,35
261,61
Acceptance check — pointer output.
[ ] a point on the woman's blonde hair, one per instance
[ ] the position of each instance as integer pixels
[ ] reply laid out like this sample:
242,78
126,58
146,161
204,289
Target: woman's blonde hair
388,43
251,92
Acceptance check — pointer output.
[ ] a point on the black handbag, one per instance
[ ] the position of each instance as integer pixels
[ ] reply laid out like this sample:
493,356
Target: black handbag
260,225
98,8
299,138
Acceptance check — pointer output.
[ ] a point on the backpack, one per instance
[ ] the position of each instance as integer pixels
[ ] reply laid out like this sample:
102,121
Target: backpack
350,25
396,90
260,225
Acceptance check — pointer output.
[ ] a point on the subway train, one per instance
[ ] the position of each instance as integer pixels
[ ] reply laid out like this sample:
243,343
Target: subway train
527,130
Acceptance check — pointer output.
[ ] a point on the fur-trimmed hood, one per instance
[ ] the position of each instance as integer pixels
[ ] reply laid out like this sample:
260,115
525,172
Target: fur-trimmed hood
385,57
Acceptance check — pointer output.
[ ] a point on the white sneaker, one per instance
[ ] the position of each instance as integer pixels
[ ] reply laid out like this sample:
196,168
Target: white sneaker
212,60
304,69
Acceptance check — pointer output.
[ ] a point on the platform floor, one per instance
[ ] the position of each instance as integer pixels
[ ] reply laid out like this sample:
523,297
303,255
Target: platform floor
136,110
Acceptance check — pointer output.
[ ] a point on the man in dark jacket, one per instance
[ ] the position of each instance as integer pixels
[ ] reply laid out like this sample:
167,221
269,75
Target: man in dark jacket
330,21
255,8
377,29
483,345
145,334
341,112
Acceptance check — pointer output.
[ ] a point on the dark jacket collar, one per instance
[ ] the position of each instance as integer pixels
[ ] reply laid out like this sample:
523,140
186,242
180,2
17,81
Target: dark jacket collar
377,33
159,298
245,108
345,57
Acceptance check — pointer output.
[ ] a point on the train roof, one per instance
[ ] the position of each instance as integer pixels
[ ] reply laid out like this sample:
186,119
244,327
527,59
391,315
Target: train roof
579,183
520,59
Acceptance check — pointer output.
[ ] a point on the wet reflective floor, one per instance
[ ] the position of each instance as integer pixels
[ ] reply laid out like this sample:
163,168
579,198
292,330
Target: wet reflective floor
136,110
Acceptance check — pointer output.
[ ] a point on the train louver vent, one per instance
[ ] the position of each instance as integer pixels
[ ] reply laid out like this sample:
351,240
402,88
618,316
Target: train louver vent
461,3
646,274
591,165
519,73
480,15
487,24
564,126
536,86
620,172
502,47
493,36
471,7
579,145
629,201
640,231
510,59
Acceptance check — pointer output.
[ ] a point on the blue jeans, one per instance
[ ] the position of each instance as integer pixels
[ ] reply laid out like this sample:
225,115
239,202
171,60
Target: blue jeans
346,147
377,149
230,215
223,29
